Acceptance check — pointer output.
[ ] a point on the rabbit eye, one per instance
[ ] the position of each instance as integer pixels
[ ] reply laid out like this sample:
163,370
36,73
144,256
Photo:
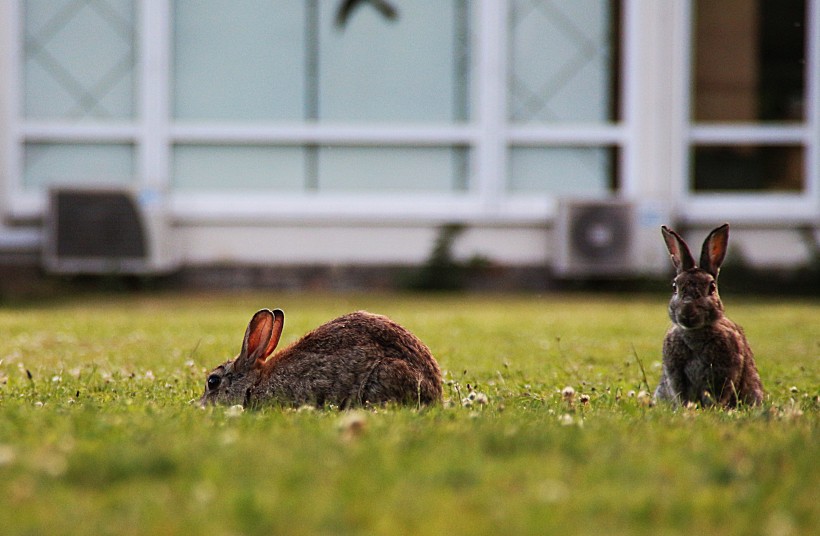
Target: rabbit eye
712,288
213,381
675,287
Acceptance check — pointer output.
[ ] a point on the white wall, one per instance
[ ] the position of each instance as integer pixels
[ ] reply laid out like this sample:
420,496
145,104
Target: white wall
506,227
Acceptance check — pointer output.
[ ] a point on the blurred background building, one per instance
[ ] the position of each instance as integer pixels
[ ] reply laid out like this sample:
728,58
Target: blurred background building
557,133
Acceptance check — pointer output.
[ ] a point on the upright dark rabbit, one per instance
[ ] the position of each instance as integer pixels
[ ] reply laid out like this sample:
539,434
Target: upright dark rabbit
706,358
356,359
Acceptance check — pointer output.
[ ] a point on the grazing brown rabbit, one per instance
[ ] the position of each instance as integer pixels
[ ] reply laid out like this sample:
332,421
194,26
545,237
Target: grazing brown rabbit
706,358
359,358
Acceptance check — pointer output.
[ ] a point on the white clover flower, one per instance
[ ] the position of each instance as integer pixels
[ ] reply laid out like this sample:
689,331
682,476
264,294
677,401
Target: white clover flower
352,425
7,455
235,410
645,399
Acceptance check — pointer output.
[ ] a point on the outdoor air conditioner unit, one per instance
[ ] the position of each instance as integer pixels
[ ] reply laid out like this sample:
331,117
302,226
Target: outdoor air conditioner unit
610,238
107,231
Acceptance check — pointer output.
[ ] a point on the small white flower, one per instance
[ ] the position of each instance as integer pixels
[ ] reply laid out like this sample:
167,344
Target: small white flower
568,393
481,399
235,410
566,420
7,455
352,425
645,399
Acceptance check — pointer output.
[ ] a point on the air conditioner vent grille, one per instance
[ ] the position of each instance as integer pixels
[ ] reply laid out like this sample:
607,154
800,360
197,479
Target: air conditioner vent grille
609,238
105,225
600,233
107,230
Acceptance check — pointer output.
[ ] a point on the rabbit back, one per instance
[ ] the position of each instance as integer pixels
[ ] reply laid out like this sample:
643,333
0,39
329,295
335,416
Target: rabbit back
356,359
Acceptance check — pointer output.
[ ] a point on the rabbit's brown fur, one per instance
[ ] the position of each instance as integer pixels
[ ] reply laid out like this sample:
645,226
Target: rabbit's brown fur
359,358
706,357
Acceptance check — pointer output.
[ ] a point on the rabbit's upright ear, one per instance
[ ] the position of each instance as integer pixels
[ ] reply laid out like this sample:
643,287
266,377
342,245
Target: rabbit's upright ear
261,338
714,249
678,250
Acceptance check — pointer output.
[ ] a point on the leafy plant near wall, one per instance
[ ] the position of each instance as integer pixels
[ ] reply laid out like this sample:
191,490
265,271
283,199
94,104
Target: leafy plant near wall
441,270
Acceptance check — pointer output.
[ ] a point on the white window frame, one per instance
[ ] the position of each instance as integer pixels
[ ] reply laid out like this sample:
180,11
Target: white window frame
488,135
755,208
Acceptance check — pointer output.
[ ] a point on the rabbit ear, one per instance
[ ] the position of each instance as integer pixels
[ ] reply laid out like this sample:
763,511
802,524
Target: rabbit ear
678,250
276,331
714,249
261,338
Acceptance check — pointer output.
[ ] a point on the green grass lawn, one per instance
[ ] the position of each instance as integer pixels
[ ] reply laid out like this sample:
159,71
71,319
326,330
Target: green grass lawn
98,434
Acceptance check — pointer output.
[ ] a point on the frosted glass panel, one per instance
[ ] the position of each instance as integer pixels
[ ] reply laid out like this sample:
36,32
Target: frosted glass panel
411,69
239,59
208,168
561,171
79,59
365,169
46,164
561,61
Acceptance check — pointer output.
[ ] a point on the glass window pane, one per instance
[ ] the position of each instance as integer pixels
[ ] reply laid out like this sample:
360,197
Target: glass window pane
239,59
748,168
79,59
563,61
212,167
749,61
392,169
409,69
84,164
562,170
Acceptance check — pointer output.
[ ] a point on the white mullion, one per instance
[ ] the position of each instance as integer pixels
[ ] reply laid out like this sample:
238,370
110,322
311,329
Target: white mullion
735,133
323,134
569,135
682,103
630,89
153,138
490,159
12,111
812,107
61,132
